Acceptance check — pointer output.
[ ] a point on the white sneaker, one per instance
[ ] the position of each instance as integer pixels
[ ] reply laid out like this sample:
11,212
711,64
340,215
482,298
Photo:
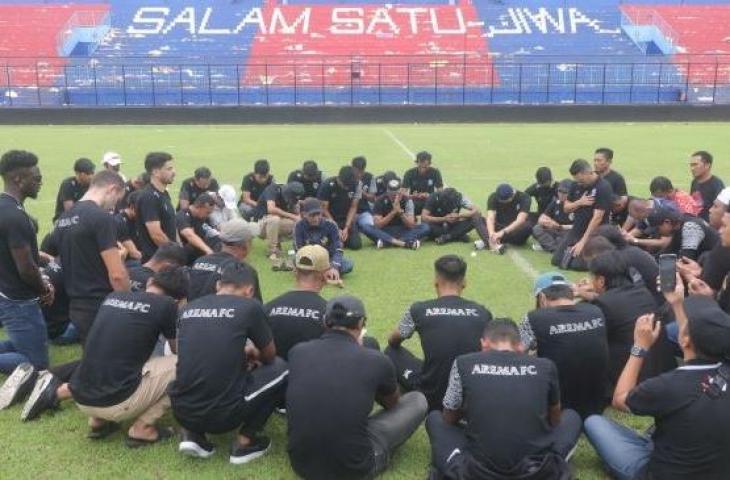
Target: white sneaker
479,245
537,247
379,244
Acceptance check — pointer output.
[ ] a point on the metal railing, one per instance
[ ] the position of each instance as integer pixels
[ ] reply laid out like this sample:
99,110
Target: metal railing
366,81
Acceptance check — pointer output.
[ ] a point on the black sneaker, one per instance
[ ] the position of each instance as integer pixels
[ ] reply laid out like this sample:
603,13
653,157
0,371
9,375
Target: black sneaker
256,449
195,445
17,385
413,244
42,398
440,240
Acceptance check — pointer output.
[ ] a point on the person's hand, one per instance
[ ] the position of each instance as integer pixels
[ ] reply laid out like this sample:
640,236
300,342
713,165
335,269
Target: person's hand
577,249
344,233
48,296
452,217
688,267
646,331
584,289
586,200
498,236
700,287
396,205
675,297
332,275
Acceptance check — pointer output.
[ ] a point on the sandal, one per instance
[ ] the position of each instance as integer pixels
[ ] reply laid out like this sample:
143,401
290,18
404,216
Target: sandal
163,433
106,429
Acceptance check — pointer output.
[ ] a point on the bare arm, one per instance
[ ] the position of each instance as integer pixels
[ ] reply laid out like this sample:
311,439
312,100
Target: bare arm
156,234
521,218
132,250
118,277
428,218
395,340
547,222
326,209
28,269
554,412
646,333
246,198
268,353
452,417
491,220
272,209
351,214
67,205
184,204
194,240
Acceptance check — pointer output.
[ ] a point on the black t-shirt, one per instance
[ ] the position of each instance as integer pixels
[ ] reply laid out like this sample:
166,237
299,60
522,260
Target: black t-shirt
272,193
706,193
622,306
311,186
556,211
249,184
17,230
211,336
692,428
339,198
715,273
644,269
505,397
154,206
574,338
190,191
126,228
447,327
138,276
506,212
367,185
184,220
70,189
543,195
602,192
440,207
81,234
333,383
295,317
121,341
617,182
384,205
206,271
56,314
428,182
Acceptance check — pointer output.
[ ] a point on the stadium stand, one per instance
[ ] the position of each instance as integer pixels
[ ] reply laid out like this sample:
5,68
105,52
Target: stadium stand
223,52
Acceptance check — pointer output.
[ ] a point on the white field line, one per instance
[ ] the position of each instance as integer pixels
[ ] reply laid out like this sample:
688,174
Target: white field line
515,256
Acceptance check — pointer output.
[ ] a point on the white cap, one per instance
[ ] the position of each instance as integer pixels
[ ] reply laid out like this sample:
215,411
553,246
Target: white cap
112,158
724,197
228,194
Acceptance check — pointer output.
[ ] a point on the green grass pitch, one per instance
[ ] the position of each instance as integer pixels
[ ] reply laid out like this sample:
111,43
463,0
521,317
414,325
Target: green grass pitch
472,158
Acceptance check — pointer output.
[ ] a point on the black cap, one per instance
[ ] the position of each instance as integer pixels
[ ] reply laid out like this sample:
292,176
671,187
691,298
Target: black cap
310,168
311,205
293,191
348,177
84,165
709,326
423,156
344,311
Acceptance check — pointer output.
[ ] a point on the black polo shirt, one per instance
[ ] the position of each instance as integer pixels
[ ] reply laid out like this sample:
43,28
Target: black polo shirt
367,185
190,191
602,192
70,189
447,327
126,227
154,206
645,269
339,198
715,273
706,193
272,193
543,195
249,184
621,307
17,230
427,182
506,212
138,277
617,182
184,220
206,271
384,205
574,338
438,207
692,427
556,211
295,317
505,397
81,234
333,383
122,339
311,186
211,375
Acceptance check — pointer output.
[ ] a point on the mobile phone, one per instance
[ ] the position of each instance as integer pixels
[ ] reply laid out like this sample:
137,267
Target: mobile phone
667,272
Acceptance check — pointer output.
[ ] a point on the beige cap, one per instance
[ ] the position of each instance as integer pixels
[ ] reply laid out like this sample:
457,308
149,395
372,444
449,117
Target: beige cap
312,257
236,231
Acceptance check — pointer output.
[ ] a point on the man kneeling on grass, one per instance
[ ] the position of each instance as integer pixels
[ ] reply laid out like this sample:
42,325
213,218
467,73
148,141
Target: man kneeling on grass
116,379
221,383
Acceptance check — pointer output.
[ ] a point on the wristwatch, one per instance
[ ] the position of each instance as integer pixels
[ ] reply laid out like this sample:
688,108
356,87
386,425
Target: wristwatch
637,351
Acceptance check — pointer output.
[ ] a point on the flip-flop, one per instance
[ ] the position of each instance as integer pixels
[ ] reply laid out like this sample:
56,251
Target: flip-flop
106,429
163,433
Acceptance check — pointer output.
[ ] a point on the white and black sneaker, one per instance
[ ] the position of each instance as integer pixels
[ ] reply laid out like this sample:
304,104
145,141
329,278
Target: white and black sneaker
42,398
379,244
195,445
257,448
414,244
479,245
17,385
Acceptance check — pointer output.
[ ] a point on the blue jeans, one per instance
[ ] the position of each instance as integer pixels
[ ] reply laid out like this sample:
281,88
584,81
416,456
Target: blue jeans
625,452
346,265
395,232
27,335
